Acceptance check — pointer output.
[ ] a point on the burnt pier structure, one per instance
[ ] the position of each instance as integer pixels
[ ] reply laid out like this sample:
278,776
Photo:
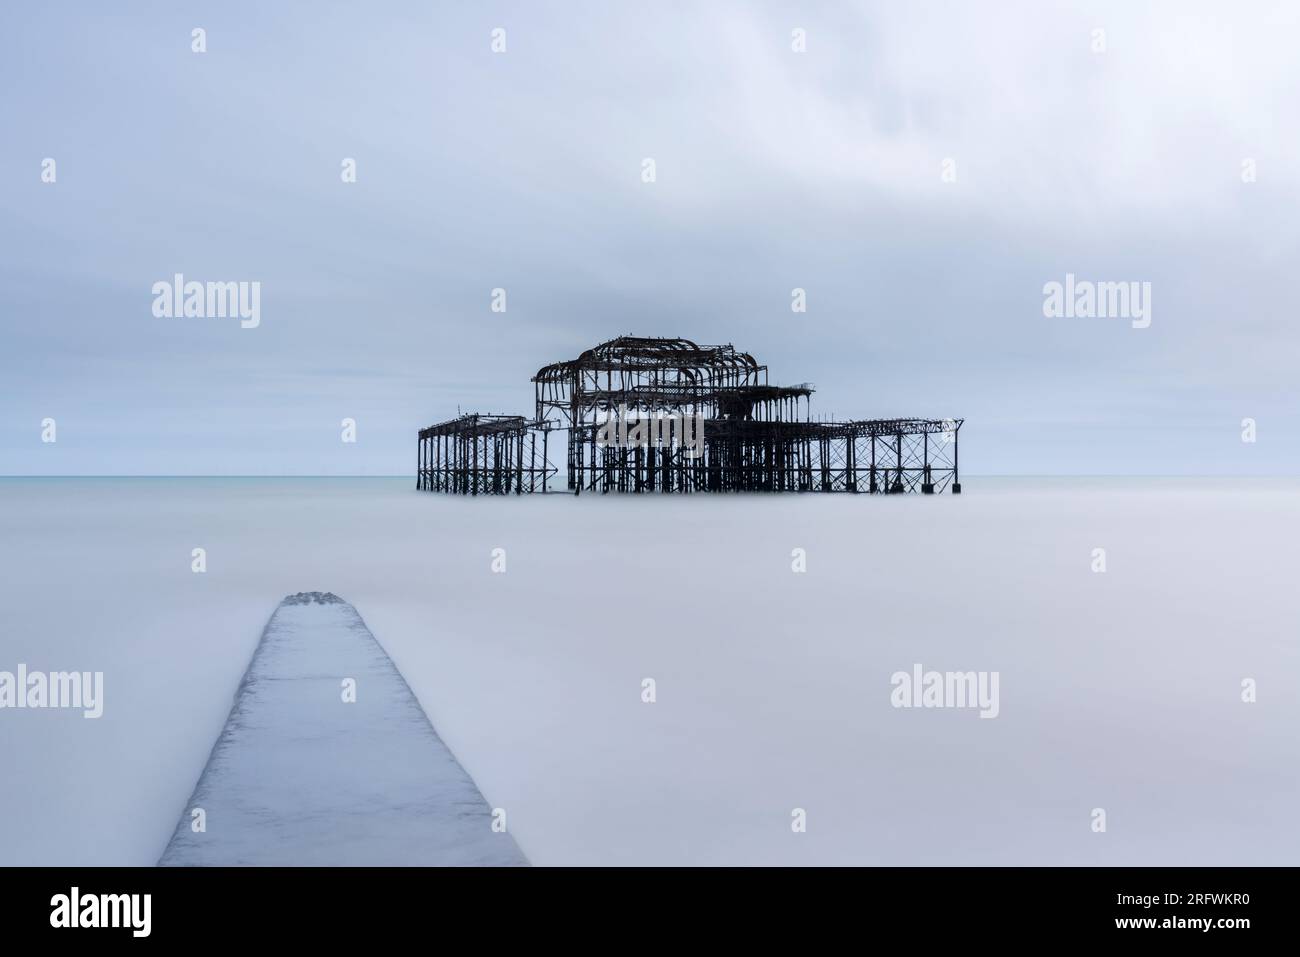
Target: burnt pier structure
478,454
668,415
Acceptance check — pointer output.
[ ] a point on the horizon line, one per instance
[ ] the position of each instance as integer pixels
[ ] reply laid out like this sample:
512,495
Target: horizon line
411,475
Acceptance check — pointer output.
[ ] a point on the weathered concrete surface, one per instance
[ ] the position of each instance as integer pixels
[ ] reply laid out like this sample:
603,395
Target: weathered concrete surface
299,776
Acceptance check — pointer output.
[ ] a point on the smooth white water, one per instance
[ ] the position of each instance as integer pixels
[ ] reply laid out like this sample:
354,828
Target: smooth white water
1119,690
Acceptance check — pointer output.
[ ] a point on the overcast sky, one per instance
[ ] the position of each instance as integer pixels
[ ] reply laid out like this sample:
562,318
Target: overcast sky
775,169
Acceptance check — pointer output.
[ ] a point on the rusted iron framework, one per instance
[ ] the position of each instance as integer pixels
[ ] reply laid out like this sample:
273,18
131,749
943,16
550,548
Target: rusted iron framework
750,435
483,454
